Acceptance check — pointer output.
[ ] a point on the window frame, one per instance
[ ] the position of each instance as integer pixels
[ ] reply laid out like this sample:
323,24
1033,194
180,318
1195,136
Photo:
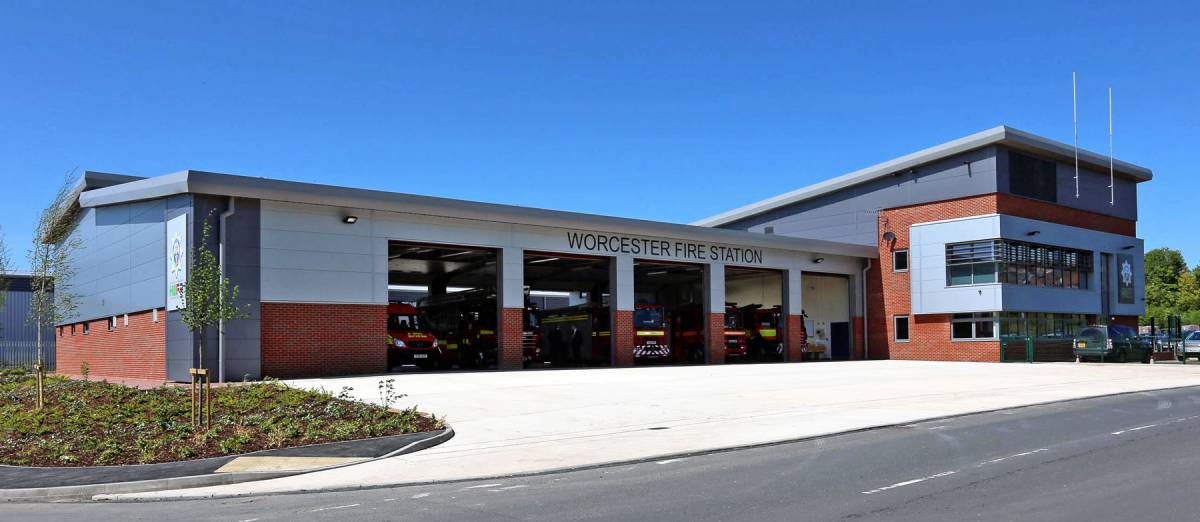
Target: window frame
974,319
896,329
907,260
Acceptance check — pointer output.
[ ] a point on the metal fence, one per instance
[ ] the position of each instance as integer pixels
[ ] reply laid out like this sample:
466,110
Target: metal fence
1017,348
18,338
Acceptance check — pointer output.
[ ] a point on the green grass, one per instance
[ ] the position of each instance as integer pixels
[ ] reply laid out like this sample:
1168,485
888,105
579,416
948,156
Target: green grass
89,423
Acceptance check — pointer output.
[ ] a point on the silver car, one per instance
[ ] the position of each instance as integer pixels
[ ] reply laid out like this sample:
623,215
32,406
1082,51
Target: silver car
1190,347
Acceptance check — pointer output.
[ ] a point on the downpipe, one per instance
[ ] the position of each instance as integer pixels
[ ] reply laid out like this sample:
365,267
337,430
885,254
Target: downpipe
221,261
866,341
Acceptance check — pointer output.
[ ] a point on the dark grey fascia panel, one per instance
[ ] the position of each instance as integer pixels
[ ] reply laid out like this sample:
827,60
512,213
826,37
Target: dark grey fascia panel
1002,135
210,183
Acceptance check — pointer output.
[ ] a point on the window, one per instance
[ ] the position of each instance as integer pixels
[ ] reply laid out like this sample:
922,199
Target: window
72,330
970,327
112,323
87,327
971,263
1018,263
1032,177
900,326
900,261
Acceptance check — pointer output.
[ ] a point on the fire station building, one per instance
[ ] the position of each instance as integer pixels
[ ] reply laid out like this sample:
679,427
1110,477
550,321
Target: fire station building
933,255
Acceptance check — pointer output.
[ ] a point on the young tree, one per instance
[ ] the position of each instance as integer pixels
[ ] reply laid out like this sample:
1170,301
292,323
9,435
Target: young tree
209,297
3,272
51,296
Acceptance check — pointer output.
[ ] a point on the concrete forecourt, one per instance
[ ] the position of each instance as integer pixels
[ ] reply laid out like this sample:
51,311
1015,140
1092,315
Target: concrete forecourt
514,423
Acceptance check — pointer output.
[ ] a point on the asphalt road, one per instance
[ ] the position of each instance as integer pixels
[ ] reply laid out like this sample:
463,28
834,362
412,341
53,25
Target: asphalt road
1128,457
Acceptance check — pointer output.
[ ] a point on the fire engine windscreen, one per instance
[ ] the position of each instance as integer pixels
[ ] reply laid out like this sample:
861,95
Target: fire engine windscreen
648,318
403,322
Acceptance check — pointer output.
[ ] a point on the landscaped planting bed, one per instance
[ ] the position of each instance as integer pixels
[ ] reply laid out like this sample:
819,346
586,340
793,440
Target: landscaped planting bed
88,423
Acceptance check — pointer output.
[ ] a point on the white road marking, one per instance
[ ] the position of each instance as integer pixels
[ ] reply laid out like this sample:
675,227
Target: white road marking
420,495
668,461
910,482
1002,459
333,508
248,520
481,486
506,488
1134,429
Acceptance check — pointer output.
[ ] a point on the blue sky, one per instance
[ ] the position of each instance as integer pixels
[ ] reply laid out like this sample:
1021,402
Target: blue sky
659,110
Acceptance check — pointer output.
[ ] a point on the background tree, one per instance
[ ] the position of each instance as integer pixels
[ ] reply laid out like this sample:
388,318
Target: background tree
209,298
1163,268
51,297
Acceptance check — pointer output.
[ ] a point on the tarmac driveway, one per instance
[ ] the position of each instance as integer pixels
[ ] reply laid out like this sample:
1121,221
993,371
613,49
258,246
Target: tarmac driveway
535,421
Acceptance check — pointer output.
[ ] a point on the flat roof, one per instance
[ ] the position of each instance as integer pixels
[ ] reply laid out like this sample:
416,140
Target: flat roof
1001,135
211,183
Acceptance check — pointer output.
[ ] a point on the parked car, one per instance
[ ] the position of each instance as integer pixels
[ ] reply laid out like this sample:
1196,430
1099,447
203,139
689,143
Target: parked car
1111,343
1190,347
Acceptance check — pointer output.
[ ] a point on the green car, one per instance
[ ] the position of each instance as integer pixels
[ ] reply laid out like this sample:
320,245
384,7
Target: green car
1111,343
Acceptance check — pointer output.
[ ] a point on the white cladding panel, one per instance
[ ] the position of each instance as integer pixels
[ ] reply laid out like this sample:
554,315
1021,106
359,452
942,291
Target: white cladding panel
310,255
930,293
927,267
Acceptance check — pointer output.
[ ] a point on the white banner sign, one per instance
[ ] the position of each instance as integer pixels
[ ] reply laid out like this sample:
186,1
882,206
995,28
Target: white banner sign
177,264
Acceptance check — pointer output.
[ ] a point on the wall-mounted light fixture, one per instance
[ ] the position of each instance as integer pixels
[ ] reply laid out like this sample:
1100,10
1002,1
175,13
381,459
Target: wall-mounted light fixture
818,260
350,220
1032,233
889,236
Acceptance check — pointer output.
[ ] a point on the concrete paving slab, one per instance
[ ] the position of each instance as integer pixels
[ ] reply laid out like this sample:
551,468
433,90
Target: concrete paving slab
511,423
260,464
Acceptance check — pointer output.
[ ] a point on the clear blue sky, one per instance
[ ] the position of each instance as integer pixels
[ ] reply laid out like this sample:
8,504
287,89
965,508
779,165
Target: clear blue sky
672,112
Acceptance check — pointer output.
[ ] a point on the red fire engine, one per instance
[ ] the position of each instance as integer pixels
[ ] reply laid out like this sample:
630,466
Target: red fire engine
651,334
736,341
466,323
762,330
576,335
691,334
409,341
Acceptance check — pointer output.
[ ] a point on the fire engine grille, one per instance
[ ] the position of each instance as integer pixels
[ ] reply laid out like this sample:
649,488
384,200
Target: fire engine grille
419,344
652,351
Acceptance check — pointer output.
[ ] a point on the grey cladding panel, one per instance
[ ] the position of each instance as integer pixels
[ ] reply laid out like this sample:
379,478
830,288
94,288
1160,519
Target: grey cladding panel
851,214
120,265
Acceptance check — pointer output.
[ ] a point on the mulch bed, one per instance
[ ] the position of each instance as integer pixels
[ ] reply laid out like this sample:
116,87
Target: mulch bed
89,423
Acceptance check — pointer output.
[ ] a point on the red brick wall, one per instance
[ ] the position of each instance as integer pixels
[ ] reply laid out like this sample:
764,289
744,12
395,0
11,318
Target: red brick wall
797,338
316,340
510,354
1044,211
136,351
622,338
929,340
715,337
889,293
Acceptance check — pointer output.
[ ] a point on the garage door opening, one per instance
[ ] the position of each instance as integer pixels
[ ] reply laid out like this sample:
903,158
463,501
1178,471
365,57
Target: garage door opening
826,303
668,316
567,314
754,329
442,310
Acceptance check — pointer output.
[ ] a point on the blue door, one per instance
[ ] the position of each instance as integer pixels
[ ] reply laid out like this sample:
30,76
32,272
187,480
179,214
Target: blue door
839,340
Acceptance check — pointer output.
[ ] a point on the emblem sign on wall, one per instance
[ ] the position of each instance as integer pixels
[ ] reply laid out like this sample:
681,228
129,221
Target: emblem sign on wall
1124,279
177,252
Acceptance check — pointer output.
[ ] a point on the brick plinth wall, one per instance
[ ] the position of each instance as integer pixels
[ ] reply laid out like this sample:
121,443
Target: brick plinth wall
136,351
622,338
929,340
889,292
317,340
797,338
715,337
510,355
